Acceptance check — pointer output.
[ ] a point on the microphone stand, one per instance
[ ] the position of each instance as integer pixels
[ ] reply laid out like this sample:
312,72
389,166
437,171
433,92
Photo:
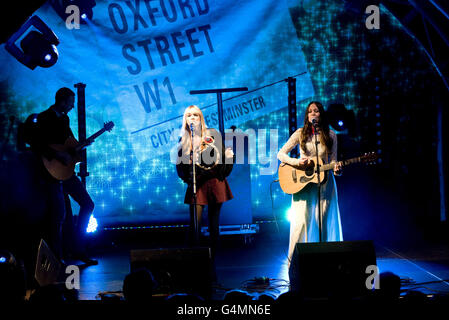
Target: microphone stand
195,218
318,175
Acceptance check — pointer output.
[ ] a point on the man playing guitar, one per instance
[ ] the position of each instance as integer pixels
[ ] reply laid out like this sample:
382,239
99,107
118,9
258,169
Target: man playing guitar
52,126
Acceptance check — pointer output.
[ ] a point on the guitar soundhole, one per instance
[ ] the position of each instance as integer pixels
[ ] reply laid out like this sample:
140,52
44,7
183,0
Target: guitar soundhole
309,172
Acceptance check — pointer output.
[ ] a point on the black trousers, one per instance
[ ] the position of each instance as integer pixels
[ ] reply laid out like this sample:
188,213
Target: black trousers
214,224
74,188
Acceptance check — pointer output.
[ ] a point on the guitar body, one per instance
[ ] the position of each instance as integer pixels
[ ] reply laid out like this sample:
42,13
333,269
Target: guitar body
56,168
293,180
62,171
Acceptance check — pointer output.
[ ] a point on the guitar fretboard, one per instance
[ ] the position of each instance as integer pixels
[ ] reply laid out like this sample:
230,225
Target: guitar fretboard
92,137
331,166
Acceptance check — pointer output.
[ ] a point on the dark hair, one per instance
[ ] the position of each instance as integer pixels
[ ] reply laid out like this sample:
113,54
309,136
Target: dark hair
306,132
138,286
238,296
63,93
182,298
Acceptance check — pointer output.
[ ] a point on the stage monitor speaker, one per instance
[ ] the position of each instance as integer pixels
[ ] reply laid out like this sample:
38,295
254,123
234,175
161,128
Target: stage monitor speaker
331,269
48,267
177,270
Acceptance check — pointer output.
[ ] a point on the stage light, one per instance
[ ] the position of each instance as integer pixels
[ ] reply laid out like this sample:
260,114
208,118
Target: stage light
92,225
85,8
37,48
289,214
41,52
341,119
6,257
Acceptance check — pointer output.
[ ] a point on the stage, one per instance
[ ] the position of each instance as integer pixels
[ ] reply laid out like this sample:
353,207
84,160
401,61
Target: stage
124,78
422,267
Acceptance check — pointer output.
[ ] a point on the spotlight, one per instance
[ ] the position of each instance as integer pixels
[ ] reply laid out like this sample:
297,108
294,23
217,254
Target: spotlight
289,214
341,119
6,257
41,51
84,7
36,48
92,225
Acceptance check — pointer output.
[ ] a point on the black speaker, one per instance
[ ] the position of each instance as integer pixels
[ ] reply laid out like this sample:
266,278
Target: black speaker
48,267
325,270
177,270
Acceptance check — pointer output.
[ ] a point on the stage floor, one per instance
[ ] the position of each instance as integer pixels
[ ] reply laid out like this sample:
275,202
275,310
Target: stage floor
423,268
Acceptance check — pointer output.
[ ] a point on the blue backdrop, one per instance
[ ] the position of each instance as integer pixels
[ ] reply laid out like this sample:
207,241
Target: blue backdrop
140,59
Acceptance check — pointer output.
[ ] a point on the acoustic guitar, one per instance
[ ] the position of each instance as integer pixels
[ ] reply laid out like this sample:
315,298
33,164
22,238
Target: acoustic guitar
61,171
293,179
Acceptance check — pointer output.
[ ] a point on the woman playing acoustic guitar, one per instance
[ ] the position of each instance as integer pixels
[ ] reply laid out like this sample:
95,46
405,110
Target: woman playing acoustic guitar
304,220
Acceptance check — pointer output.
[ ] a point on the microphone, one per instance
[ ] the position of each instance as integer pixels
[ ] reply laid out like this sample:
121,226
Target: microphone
191,128
314,126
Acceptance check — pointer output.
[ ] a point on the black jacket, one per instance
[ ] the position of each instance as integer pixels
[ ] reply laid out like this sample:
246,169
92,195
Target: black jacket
219,171
49,129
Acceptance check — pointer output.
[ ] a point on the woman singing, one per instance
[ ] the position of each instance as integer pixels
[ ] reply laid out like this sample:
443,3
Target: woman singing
304,222
212,188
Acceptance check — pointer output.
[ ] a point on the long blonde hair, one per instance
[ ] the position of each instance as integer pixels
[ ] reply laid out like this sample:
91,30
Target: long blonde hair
186,134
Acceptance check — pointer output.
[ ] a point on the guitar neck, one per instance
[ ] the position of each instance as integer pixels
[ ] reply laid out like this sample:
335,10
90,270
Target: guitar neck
331,166
82,145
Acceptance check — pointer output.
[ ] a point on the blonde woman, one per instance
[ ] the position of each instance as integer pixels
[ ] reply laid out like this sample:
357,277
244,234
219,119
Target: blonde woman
211,170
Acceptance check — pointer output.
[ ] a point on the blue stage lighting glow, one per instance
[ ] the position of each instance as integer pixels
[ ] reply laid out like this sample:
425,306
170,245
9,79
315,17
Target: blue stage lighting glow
92,226
340,123
84,16
2,259
289,214
127,189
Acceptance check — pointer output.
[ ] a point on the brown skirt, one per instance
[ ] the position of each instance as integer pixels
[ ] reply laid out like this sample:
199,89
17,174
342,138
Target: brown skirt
211,191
